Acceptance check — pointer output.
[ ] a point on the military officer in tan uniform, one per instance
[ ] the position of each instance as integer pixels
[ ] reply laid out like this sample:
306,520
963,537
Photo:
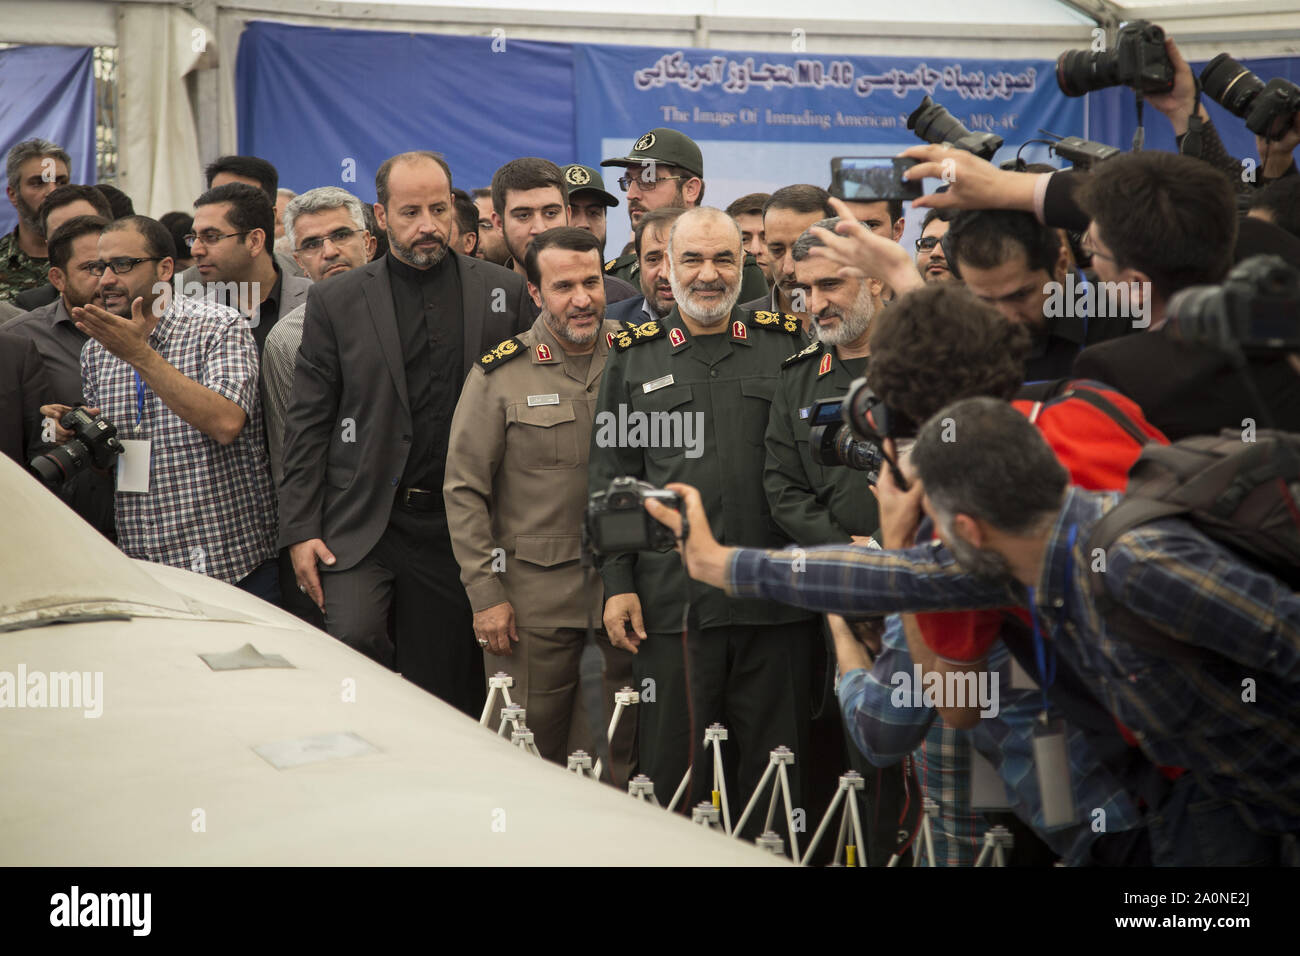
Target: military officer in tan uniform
516,491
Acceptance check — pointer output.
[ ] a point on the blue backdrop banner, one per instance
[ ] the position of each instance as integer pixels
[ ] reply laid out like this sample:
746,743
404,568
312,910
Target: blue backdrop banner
765,120
328,106
48,92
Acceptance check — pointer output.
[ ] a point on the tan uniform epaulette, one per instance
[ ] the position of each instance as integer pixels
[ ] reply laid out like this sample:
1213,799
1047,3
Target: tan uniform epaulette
494,358
779,322
624,339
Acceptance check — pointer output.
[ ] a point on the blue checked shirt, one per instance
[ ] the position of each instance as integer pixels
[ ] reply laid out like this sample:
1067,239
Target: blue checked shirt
209,506
1233,720
884,732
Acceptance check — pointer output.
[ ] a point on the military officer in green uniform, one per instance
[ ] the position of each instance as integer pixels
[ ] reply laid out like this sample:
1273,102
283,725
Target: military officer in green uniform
687,399
35,167
660,157
588,199
817,504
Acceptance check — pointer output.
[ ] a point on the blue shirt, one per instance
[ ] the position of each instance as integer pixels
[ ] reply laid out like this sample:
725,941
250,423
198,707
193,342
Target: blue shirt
1232,720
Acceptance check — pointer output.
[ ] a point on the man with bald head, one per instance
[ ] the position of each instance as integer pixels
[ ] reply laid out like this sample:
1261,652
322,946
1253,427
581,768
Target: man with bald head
685,399
385,348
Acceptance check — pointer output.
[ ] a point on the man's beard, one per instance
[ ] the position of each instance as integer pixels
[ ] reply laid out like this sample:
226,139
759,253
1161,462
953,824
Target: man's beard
421,260
705,315
653,300
27,215
981,562
853,325
563,331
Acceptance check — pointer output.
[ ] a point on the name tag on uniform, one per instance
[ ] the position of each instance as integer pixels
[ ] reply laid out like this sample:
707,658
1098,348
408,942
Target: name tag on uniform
552,399
805,411
649,387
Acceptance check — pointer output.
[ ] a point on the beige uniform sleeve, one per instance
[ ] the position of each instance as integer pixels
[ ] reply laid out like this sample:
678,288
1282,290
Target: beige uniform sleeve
474,452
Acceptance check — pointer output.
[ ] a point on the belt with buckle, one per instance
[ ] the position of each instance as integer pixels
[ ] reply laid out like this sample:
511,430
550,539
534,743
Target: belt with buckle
419,499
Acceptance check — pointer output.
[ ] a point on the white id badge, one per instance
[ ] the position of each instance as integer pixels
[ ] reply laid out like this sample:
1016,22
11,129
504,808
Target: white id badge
133,466
1052,765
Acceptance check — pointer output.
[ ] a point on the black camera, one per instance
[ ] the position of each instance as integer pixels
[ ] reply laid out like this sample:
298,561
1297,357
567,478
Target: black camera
94,442
831,441
617,521
1256,308
1082,153
1268,108
934,124
1139,61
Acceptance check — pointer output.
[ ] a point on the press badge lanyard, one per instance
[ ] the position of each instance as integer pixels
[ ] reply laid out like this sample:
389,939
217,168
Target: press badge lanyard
1046,659
139,402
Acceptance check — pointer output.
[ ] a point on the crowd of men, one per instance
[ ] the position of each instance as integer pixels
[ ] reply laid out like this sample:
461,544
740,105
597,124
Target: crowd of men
388,419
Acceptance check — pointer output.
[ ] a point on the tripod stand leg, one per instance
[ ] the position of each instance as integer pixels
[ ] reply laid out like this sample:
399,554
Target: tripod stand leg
487,708
720,786
681,789
822,827
858,842
789,811
613,726
753,799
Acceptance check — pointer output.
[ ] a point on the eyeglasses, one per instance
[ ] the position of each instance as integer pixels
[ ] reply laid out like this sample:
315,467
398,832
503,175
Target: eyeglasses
212,237
316,243
926,243
646,184
120,266
1087,245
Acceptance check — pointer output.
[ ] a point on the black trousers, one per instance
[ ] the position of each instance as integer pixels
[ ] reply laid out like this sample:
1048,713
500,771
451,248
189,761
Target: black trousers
751,679
412,573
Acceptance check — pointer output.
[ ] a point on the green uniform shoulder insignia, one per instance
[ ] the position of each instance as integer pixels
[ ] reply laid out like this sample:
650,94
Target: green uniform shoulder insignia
636,334
610,265
493,358
800,356
778,322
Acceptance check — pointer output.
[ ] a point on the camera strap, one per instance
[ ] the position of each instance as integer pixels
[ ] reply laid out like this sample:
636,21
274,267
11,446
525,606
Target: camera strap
1191,144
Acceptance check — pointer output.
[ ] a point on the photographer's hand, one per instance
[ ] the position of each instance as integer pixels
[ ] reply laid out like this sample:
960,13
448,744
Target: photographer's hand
863,253
973,183
1178,103
1276,156
623,622
706,560
54,413
900,511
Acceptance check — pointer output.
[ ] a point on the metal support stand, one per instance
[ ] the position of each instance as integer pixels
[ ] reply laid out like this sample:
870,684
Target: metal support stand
714,735
924,838
580,763
771,842
998,841
850,783
500,681
512,716
706,815
642,788
522,738
781,759
623,699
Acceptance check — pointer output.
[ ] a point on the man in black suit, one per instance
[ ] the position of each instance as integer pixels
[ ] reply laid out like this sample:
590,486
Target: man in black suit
650,240
384,351
23,390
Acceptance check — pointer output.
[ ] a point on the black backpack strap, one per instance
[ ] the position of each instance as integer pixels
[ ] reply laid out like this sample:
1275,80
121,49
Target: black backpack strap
1102,404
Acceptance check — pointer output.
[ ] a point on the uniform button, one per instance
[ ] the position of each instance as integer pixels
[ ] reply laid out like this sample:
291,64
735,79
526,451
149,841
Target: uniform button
394,482
713,373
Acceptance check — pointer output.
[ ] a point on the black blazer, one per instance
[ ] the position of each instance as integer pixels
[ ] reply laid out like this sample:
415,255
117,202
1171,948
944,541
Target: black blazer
1188,389
23,390
350,366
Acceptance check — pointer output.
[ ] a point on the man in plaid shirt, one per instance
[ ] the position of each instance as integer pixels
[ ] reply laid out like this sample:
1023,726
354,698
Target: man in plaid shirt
1019,533
182,374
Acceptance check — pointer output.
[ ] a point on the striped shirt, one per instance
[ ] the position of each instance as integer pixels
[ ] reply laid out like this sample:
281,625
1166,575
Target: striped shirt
1233,720
209,507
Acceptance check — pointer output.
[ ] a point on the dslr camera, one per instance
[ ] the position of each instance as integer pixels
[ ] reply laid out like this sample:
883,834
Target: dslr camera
831,441
1139,61
617,521
934,124
1257,308
94,442
1268,108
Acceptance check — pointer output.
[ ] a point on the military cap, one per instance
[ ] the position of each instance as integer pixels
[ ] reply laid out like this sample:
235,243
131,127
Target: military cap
662,145
579,178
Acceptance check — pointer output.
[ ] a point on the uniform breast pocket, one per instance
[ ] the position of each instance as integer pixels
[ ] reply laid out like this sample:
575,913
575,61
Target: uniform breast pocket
545,436
757,403
664,425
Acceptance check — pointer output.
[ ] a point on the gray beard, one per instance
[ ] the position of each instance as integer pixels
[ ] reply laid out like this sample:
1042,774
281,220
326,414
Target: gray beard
853,325
421,260
714,316
981,562
562,331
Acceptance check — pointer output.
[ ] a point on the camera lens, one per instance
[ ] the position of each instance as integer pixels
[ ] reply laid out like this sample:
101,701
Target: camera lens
57,466
1082,71
1230,84
934,124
